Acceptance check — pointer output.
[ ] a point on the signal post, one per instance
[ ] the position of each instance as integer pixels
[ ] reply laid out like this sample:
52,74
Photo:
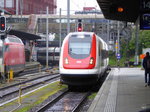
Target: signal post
2,37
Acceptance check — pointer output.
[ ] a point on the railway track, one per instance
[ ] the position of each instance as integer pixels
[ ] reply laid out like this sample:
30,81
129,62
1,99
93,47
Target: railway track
65,102
70,101
9,92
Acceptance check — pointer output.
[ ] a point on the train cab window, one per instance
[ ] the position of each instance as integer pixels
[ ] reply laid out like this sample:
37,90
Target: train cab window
14,40
80,46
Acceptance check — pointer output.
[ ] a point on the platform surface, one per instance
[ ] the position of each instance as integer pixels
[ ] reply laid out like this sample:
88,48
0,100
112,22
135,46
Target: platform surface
123,91
32,64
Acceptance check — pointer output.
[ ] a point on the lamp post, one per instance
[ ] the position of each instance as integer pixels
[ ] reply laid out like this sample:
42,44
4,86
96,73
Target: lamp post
59,31
2,34
136,43
17,7
47,37
68,16
118,36
108,23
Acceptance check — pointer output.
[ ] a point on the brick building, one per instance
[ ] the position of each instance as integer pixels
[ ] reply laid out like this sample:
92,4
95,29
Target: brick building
28,6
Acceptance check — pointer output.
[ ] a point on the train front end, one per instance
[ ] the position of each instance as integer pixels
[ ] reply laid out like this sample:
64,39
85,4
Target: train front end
78,59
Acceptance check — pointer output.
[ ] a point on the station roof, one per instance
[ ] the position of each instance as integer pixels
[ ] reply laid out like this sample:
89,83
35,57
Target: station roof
130,9
23,35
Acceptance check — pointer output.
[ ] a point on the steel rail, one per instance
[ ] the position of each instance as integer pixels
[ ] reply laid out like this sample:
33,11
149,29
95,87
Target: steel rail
28,86
47,105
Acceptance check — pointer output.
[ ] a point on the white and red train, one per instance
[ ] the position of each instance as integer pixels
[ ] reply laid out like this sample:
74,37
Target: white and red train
12,55
83,59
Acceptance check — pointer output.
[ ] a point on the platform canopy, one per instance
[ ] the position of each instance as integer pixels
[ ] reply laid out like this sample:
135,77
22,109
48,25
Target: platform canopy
23,35
129,9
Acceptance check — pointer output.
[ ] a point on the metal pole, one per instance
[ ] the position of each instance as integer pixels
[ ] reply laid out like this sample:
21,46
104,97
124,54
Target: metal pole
95,22
116,47
40,23
47,37
60,29
68,16
17,7
102,29
2,64
107,32
118,35
136,43
21,8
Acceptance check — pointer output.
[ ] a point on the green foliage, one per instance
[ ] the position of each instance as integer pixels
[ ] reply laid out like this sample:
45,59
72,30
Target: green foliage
128,46
144,39
113,60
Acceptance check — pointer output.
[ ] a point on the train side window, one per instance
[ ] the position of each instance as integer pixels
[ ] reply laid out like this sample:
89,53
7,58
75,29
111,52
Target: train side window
7,48
103,54
106,54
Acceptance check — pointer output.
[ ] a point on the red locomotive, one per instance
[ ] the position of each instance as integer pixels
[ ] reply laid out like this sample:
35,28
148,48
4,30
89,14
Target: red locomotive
12,55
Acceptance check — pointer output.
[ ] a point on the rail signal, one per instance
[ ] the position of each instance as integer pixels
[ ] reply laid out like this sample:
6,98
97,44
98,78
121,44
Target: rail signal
80,27
2,24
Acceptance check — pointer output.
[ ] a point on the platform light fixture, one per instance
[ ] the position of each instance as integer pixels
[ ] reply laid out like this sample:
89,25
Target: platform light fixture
120,9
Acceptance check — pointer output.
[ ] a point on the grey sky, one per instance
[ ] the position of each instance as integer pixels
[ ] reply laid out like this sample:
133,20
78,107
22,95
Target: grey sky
76,5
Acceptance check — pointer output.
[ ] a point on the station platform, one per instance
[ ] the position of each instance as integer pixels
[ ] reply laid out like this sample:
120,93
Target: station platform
123,91
29,65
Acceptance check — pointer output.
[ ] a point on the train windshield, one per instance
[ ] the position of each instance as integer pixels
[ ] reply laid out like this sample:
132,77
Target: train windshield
80,46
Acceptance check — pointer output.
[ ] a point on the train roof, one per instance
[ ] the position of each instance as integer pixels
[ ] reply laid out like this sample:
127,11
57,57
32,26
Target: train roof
73,33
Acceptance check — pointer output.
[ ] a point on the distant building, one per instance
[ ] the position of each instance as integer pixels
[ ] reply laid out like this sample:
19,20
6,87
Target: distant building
28,6
89,10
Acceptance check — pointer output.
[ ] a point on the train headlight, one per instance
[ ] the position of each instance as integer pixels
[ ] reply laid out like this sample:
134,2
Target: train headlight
91,60
66,61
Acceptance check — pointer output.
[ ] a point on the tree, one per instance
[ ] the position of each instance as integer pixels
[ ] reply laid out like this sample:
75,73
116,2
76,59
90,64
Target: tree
144,39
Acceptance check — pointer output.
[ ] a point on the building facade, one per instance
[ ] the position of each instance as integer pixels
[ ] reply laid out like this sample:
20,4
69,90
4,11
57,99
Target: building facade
26,7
